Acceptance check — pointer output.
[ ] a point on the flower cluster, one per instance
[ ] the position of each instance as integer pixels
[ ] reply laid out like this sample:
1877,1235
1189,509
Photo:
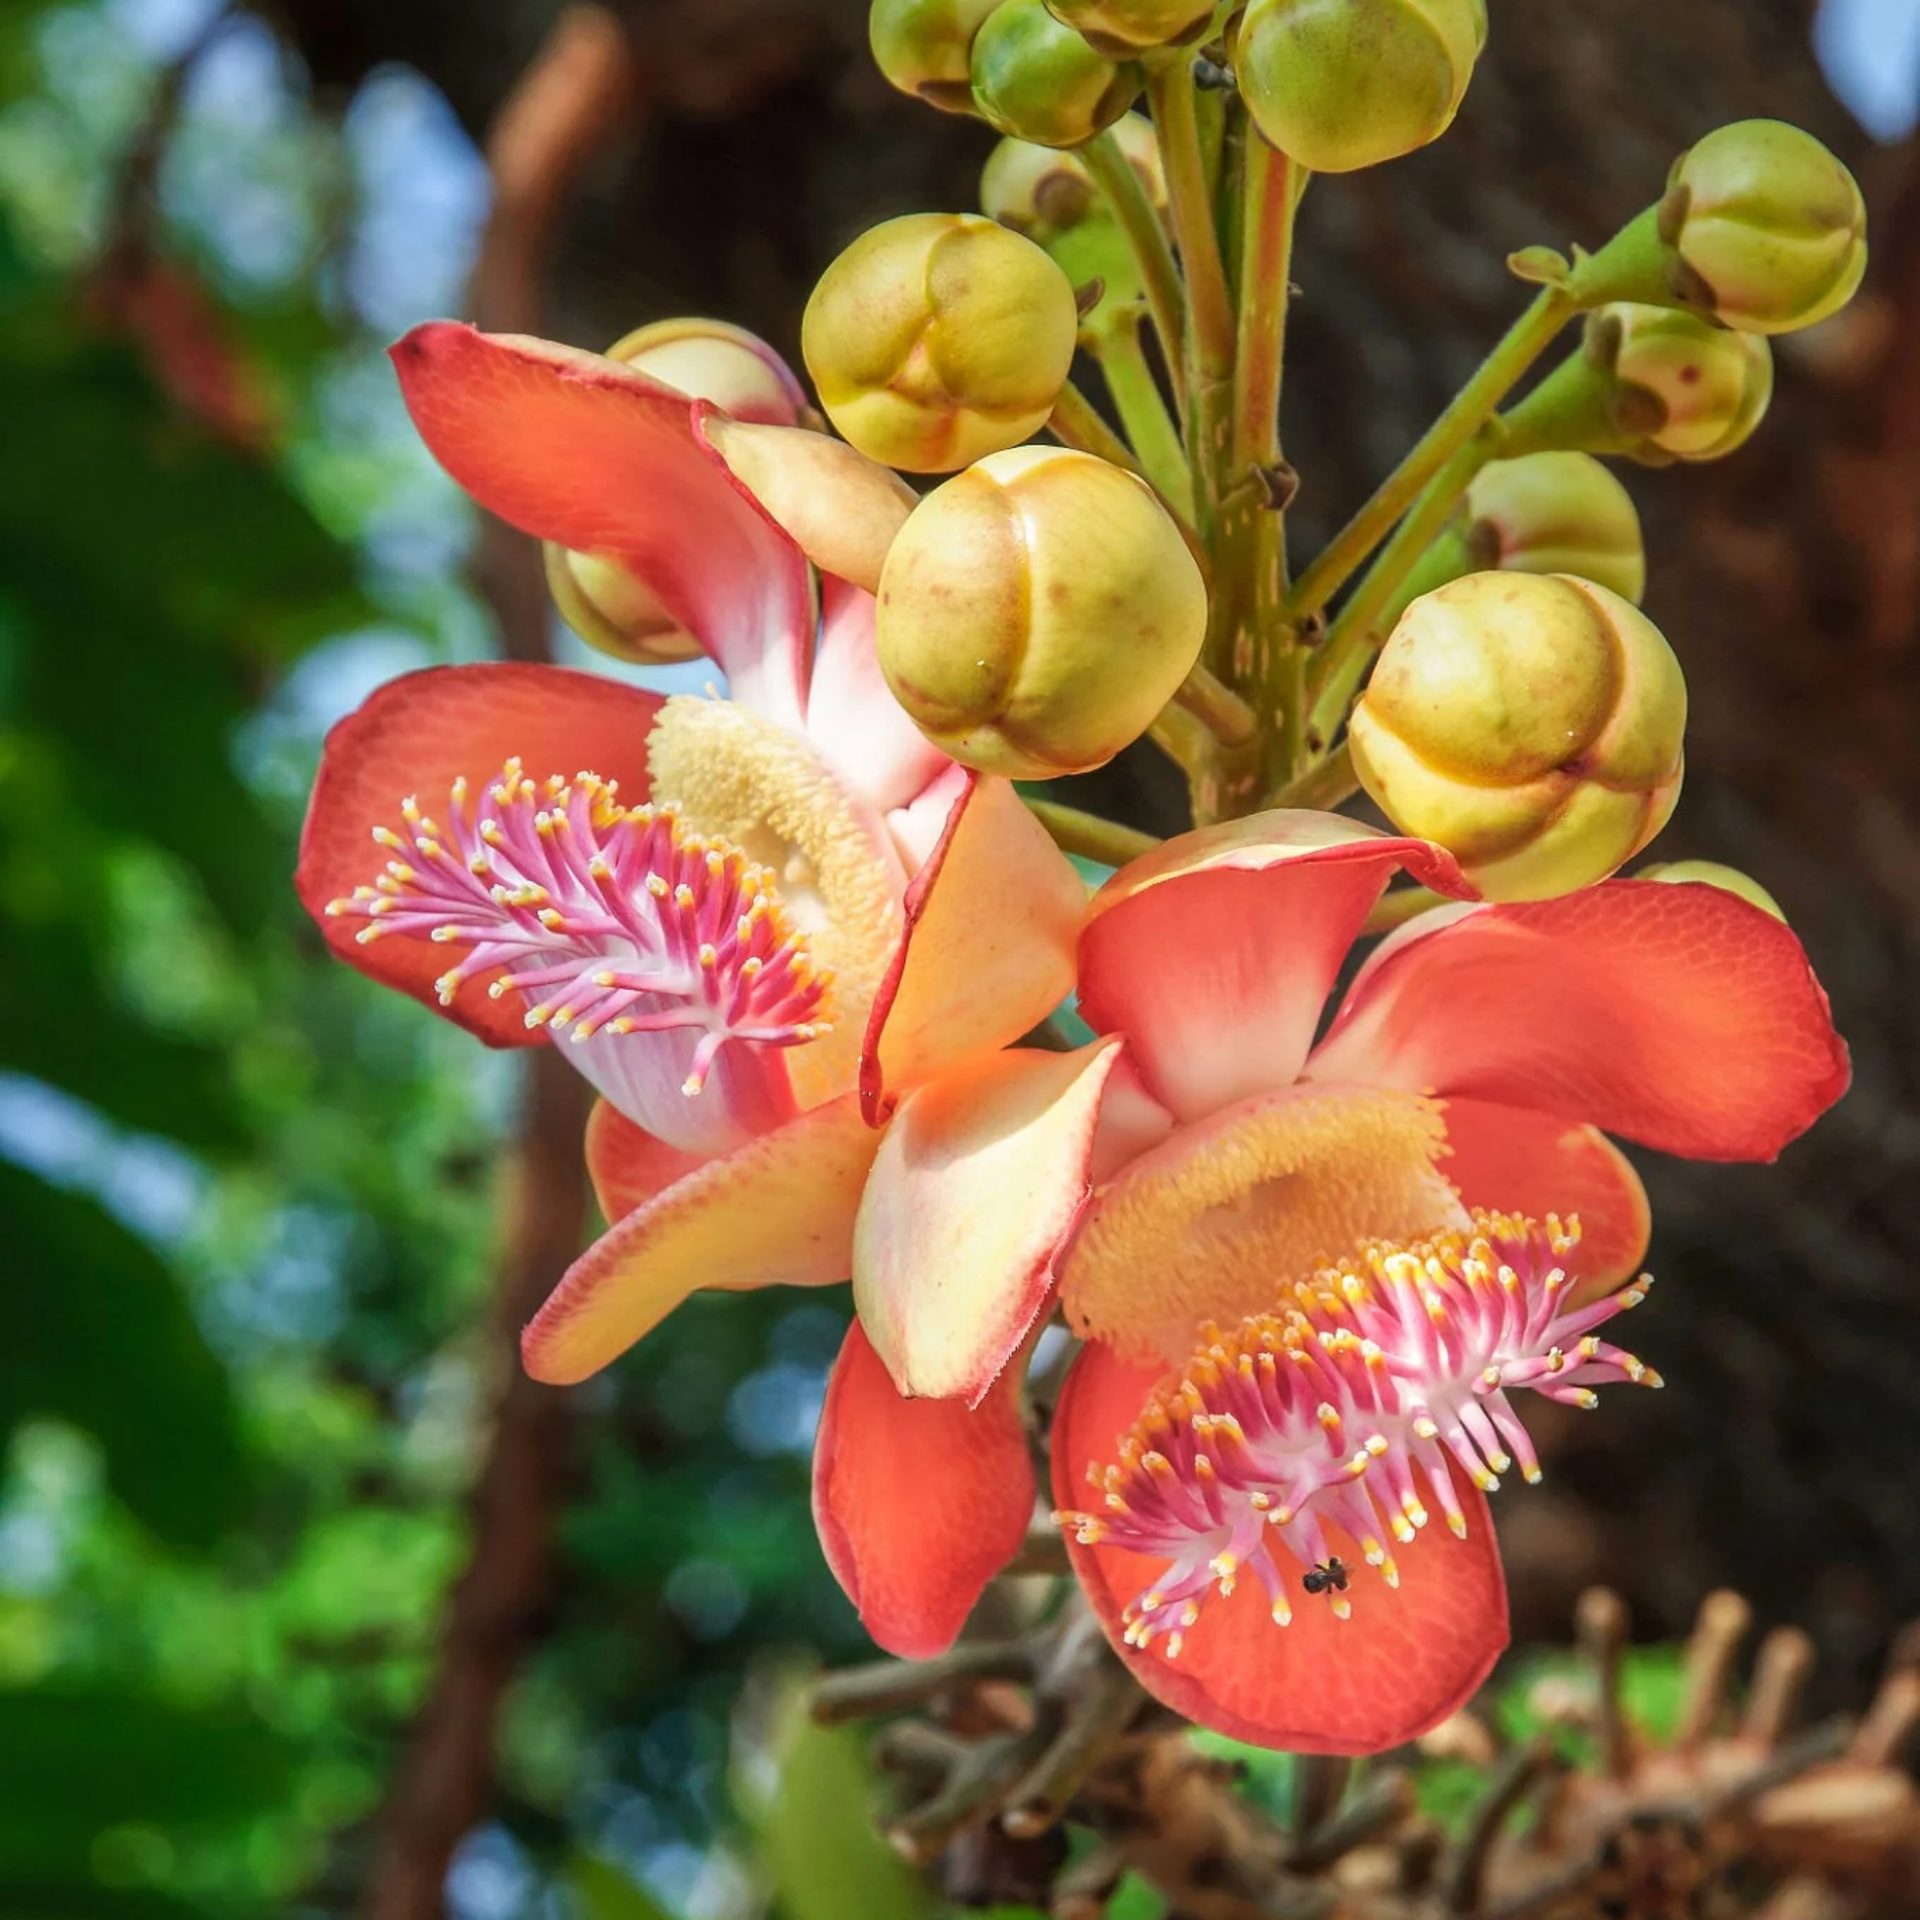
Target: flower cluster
802,936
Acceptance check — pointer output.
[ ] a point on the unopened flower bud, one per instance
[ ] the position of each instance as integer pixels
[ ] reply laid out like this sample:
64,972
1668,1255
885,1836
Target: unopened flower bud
1044,192
1122,27
1037,611
612,611
1556,513
1040,81
1343,84
1769,228
711,360
1658,383
924,47
706,360
1711,873
938,337
1530,723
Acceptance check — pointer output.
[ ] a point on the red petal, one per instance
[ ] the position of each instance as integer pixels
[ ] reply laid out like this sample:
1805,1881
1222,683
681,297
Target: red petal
575,448
1677,1015
417,735
1404,1661
1517,1160
1214,953
919,1502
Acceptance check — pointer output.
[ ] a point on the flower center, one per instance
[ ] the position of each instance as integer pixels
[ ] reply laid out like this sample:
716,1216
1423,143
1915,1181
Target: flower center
1318,1413
604,918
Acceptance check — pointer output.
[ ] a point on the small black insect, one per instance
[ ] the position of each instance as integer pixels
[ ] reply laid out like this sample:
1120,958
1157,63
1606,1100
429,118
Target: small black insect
1329,1577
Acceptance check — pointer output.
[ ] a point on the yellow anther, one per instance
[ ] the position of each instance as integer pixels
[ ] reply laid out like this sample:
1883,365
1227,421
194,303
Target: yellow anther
1342,1607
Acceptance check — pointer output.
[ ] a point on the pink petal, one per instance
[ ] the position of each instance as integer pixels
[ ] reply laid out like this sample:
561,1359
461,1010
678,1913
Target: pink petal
852,717
777,1211
418,734
1677,1015
1406,1659
919,1503
977,1188
986,952
1214,953
1518,1160
575,448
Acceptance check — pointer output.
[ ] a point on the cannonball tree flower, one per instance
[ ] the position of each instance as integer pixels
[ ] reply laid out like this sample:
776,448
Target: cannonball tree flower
1477,1062
701,901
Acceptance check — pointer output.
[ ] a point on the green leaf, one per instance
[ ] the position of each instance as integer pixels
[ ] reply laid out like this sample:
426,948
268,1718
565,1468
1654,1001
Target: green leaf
606,1892
101,1336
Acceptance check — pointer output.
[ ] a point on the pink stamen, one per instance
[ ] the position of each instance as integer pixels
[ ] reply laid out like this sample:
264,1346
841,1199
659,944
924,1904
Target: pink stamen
603,918
1318,1413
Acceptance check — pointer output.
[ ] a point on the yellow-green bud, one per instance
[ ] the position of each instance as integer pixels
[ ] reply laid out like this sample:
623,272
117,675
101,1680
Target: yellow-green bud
1770,229
1044,192
1557,513
924,47
1122,27
1040,81
712,360
1682,386
1711,873
1531,723
1343,84
706,360
612,611
938,337
1037,611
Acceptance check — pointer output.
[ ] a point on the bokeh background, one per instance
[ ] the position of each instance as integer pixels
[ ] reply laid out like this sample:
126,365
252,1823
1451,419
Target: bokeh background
308,1604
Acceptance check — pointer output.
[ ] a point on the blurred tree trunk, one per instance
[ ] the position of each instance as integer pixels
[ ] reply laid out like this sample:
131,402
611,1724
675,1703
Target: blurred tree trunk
1787,579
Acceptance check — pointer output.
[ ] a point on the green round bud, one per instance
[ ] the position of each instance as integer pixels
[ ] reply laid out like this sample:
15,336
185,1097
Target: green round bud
924,47
1344,84
1710,873
1039,81
1530,723
1044,192
1037,611
612,611
938,337
1556,513
1123,27
1683,389
1770,229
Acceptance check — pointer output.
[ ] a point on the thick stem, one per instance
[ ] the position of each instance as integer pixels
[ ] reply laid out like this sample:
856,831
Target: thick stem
1356,634
1143,410
1113,174
1076,422
1324,785
1472,407
1088,835
1228,718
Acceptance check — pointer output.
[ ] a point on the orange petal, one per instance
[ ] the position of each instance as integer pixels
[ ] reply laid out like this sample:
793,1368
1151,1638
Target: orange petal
840,508
975,1191
627,1165
415,736
1214,953
575,448
987,949
1406,1659
778,1210
919,1502
1209,1224
1675,1014
1514,1160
